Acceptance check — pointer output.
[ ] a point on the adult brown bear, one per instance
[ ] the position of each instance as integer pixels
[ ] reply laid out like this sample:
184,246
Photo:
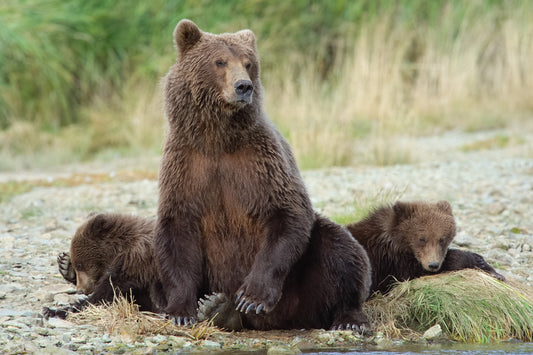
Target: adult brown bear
234,215
411,239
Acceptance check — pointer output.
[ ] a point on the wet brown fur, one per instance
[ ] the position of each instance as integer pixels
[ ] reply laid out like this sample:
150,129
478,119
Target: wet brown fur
234,214
404,239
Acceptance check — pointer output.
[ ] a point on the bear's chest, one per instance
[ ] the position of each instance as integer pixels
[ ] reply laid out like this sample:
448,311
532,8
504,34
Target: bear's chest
230,190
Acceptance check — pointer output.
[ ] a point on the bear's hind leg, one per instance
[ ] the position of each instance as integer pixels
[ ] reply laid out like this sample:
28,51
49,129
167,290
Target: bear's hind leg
326,287
348,273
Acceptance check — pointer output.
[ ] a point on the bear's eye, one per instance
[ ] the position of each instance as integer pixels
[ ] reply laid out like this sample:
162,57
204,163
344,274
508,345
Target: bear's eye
441,241
422,241
248,66
220,63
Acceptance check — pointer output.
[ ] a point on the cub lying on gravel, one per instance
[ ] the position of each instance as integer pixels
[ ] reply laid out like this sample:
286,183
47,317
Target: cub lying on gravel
112,254
411,239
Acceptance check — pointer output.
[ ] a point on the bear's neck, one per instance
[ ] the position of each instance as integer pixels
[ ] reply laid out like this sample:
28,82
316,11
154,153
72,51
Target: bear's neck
215,131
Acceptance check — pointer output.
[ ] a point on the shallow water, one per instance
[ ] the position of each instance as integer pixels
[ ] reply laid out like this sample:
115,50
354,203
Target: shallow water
447,349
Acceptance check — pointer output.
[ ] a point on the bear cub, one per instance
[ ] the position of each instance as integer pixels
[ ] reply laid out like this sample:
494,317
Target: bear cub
411,239
112,254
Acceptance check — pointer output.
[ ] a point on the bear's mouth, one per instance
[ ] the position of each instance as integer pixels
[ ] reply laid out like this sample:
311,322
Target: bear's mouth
243,101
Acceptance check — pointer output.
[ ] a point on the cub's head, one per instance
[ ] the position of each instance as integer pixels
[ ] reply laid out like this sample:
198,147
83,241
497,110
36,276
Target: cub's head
219,70
91,252
425,229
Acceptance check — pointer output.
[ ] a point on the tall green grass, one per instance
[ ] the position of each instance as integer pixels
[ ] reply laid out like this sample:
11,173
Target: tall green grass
336,73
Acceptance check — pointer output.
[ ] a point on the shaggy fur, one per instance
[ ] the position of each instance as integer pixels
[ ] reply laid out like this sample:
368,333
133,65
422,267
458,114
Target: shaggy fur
112,254
411,239
234,216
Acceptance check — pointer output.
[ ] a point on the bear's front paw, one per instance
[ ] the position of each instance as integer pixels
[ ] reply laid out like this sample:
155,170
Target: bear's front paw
252,297
65,267
482,264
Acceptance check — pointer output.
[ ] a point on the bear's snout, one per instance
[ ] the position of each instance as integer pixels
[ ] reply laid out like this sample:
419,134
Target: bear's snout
434,266
244,90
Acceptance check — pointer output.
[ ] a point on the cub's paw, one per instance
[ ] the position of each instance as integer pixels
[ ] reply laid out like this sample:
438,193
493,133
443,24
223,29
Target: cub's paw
54,312
255,296
65,267
218,308
496,275
482,264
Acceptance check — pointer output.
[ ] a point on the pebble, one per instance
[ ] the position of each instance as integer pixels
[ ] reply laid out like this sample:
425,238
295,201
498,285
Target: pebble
490,191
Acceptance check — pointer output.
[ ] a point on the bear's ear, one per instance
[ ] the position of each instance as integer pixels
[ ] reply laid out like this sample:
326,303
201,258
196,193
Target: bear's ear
247,36
403,211
100,225
186,35
445,207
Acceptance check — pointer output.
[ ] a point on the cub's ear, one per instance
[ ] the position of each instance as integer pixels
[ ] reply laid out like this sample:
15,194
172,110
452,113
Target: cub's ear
247,36
403,211
186,35
100,225
445,207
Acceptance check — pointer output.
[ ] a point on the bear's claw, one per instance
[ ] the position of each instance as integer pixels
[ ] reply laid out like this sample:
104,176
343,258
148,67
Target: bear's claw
183,321
247,306
361,329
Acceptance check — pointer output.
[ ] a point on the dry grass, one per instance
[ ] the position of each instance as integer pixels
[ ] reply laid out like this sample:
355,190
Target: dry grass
469,305
399,81
123,318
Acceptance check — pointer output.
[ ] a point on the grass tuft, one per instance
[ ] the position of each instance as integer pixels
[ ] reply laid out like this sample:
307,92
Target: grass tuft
123,318
469,305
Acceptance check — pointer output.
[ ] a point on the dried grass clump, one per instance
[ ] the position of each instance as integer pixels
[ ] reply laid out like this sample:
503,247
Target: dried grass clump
469,305
123,318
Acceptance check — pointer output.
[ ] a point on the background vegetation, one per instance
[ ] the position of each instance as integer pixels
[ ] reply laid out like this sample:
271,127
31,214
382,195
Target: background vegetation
79,79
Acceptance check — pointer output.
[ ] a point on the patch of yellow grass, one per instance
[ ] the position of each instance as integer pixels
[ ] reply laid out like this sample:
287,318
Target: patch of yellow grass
123,318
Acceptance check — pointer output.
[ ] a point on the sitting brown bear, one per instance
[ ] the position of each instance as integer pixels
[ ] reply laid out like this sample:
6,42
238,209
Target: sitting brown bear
411,239
234,216
112,254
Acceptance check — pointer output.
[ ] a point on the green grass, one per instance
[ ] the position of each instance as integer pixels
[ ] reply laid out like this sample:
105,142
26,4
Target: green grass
363,205
470,306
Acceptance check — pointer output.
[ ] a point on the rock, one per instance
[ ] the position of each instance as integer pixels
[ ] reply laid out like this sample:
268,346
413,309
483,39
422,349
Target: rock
464,239
433,333
60,323
211,345
63,299
279,349
495,208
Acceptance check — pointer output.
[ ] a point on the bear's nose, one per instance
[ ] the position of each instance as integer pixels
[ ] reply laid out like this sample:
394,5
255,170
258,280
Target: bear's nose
433,265
244,88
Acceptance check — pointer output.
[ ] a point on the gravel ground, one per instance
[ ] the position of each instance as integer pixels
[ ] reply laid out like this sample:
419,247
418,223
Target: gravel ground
490,190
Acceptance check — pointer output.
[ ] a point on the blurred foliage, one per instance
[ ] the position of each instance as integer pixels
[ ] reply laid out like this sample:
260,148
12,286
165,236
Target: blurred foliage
79,78
57,55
